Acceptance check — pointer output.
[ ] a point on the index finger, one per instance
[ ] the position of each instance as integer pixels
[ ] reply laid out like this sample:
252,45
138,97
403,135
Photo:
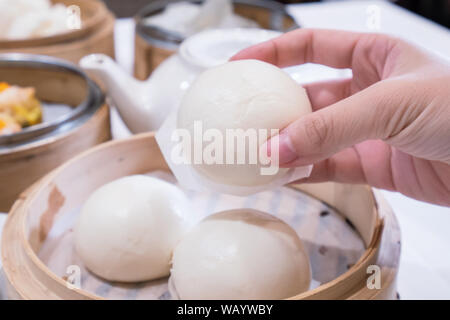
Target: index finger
328,47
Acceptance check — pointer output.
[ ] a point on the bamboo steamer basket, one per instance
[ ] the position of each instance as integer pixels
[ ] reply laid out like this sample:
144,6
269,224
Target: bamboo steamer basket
153,46
28,155
35,212
96,35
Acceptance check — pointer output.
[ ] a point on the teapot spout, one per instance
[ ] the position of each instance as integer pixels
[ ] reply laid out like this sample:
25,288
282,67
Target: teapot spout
126,92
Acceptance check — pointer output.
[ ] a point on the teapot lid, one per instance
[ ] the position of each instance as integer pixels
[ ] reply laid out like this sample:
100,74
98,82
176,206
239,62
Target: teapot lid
213,47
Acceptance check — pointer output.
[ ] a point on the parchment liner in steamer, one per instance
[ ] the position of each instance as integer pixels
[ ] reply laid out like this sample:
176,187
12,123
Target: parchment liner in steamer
333,244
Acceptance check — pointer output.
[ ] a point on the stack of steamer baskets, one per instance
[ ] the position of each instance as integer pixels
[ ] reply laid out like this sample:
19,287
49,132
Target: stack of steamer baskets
154,45
95,35
40,262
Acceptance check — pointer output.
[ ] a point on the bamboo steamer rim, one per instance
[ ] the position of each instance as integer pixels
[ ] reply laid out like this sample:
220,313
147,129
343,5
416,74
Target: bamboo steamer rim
105,30
17,223
172,40
43,142
99,10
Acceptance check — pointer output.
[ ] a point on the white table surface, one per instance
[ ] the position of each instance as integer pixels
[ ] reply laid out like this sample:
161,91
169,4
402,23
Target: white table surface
425,260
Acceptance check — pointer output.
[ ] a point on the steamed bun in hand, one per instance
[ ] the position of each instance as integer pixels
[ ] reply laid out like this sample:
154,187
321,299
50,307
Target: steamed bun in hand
245,94
128,228
240,254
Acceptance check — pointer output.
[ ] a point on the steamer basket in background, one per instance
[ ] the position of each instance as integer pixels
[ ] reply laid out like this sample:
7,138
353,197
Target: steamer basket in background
45,206
96,35
154,45
75,119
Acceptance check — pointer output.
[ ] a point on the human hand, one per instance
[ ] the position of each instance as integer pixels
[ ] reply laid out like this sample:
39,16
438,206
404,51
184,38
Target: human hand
387,126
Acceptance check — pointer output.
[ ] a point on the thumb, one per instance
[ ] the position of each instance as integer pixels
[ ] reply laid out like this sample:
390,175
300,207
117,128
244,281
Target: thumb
318,135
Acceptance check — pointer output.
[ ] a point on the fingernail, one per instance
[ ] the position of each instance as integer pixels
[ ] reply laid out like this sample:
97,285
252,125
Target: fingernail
286,151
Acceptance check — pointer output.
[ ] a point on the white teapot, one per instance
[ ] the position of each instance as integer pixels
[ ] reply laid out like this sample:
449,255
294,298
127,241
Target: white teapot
143,105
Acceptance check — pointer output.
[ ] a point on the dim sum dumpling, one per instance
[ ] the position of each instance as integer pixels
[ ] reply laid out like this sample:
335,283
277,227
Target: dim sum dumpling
128,228
240,254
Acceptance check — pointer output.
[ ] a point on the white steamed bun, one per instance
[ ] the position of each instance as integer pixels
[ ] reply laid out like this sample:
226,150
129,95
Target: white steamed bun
245,94
128,228
240,254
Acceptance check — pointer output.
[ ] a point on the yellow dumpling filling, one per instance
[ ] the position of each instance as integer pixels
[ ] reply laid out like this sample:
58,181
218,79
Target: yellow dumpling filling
8,125
18,105
3,86
27,114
